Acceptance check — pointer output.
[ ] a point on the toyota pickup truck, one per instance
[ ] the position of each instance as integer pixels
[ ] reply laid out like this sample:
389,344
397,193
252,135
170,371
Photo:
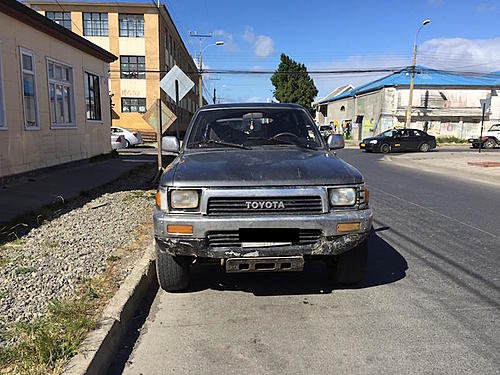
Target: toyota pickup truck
255,188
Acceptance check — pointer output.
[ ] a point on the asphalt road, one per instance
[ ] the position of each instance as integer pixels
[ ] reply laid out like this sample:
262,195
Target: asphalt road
430,301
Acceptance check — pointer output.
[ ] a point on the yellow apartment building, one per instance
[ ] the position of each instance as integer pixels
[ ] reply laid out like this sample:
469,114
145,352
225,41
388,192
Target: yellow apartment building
148,44
54,102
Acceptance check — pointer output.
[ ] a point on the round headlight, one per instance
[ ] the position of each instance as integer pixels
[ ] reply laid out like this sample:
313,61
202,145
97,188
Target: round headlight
343,196
184,199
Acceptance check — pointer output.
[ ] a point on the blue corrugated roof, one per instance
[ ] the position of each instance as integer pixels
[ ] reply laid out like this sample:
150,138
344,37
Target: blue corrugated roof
423,77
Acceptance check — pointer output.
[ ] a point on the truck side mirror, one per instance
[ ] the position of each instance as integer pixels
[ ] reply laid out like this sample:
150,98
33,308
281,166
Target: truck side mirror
335,142
170,144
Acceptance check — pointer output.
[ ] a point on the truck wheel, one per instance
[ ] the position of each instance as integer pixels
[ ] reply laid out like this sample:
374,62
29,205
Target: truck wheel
172,272
385,148
349,267
490,143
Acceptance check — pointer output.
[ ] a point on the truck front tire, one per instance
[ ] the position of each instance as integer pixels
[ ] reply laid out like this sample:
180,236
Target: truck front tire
349,267
172,272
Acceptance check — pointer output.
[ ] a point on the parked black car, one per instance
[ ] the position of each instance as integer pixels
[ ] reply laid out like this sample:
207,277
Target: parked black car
399,140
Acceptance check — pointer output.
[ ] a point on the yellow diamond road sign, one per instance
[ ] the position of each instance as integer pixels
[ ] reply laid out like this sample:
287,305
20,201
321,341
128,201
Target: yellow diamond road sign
167,116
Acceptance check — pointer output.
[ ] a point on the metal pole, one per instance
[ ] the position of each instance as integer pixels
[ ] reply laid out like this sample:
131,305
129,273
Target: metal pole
177,108
214,95
200,79
410,99
482,122
158,137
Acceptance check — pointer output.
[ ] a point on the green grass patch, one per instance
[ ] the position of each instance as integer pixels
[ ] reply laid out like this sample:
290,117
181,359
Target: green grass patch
451,140
44,345
113,258
23,270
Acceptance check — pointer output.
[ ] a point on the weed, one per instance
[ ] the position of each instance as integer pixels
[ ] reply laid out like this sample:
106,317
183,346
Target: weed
23,270
4,261
451,140
113,258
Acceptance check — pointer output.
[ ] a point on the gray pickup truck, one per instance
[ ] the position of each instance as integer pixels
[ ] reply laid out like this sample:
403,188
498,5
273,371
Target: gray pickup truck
255,188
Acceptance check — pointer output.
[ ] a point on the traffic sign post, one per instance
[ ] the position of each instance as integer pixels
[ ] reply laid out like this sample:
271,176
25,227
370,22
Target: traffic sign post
485,103
176,84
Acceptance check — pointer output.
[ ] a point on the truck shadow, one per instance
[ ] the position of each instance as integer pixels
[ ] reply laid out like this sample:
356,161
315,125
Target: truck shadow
385,265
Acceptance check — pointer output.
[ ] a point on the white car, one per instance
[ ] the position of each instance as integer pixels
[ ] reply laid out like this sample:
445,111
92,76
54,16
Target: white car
131,138
118,141
490,139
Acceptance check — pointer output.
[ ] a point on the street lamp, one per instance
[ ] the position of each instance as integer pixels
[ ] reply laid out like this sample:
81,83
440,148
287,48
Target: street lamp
414,63
200,78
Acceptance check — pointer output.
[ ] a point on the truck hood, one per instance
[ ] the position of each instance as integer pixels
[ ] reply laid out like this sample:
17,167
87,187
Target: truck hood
257,167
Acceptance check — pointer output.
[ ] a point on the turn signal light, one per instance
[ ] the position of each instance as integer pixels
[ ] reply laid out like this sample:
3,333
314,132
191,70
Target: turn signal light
180,229
348,227
158,199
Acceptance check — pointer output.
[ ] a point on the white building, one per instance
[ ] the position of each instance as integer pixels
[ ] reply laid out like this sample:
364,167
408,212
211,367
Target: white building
444,104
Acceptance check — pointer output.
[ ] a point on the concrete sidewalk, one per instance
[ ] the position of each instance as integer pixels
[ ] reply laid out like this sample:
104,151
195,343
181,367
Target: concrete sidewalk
452,163
28,193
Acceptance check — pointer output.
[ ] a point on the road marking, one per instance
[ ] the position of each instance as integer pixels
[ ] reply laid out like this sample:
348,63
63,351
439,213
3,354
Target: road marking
435,212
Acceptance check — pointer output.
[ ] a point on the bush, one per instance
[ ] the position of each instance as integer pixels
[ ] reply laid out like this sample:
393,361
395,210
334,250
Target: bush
451,140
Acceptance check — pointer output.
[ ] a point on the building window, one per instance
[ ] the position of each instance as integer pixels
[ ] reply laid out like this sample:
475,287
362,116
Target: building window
95,24
61,18
3,121
60,94
131,25
29,90
133,67
92,97
134,105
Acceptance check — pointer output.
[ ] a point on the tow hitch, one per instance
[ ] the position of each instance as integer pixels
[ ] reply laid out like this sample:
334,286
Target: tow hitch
265,264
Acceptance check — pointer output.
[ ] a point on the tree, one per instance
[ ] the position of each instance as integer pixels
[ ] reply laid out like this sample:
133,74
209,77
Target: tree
292,83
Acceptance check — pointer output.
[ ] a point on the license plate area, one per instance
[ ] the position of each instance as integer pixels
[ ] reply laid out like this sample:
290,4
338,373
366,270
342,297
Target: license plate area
268,237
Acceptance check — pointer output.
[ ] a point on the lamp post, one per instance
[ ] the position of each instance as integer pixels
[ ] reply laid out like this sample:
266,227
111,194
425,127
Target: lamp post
414,63
200,67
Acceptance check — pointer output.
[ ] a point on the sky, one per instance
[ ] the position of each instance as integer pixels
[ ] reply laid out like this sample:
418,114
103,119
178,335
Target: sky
331,34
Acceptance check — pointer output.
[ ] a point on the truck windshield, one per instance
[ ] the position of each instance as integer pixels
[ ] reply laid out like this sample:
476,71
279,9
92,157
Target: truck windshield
248,127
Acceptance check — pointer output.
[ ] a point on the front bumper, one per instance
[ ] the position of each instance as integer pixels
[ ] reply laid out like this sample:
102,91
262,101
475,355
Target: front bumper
368,146
330,243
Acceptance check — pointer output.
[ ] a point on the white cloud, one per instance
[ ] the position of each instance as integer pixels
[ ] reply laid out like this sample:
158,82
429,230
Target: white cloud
229,43
486,7
478,55
249,35
263,45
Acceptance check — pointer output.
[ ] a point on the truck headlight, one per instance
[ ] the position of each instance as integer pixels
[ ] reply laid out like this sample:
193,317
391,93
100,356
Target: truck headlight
374,141
342,197
184,199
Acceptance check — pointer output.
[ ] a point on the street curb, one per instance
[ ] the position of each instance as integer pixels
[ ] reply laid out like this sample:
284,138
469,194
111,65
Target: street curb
98,349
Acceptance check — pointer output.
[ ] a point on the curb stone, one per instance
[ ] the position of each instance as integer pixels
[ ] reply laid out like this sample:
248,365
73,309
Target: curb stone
98,349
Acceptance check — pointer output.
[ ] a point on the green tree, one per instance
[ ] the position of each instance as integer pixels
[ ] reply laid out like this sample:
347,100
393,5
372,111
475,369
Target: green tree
292,83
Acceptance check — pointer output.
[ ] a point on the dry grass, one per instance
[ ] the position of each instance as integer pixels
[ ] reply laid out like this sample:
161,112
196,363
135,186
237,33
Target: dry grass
43,346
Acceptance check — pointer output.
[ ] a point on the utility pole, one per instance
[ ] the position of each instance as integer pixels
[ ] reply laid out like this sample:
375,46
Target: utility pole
214,95
412,81
200,66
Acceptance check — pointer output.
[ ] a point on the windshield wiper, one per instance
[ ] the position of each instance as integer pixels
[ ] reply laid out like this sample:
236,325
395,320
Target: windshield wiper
277,141
221,143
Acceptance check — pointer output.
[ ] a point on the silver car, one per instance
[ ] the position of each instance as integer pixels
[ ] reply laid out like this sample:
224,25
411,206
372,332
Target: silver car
131,138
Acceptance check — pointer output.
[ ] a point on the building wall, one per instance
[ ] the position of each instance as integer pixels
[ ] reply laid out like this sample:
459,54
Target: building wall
157,56
443,112
25,150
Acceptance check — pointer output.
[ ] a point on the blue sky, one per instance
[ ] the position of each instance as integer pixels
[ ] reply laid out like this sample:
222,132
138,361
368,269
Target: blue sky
331,34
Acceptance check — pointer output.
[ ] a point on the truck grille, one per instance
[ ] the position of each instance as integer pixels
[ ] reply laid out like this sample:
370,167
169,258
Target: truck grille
232,238
258,206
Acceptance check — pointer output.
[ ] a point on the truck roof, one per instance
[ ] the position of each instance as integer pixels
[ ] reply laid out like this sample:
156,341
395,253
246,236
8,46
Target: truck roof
251,105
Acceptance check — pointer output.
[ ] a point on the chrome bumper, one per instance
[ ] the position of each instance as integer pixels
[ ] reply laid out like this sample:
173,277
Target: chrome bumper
202,224
331,243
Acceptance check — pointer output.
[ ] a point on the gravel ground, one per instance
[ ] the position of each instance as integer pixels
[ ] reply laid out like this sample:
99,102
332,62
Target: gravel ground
53,259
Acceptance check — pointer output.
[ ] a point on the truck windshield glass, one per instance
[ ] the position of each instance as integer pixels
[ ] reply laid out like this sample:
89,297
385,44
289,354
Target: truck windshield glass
248,127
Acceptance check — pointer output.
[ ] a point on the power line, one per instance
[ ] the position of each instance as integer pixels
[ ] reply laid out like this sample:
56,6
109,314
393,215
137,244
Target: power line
74,24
